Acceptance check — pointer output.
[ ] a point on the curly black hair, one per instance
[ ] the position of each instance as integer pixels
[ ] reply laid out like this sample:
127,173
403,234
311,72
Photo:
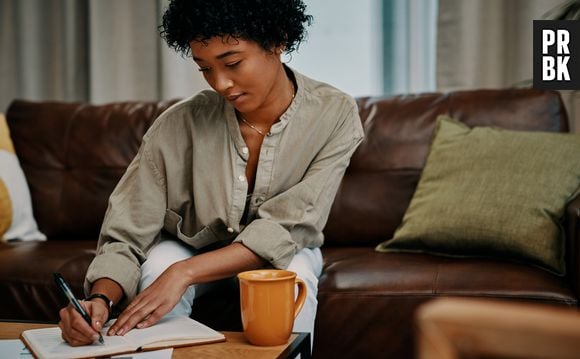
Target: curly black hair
270,23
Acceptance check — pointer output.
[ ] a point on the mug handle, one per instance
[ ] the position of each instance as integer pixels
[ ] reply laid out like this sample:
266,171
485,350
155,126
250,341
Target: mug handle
301,296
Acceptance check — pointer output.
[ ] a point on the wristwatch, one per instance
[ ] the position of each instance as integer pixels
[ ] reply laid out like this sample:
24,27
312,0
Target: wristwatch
104,298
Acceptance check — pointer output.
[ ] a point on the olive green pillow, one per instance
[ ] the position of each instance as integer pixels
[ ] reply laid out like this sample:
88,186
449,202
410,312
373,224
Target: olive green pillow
489,192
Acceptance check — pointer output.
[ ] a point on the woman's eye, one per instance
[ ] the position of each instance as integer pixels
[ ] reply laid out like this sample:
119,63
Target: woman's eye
234,64
203,69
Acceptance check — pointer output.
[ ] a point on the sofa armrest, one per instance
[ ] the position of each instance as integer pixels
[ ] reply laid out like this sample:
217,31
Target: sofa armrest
572,231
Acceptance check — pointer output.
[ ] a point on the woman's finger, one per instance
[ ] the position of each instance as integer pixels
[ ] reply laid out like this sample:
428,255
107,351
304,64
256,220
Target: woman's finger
138,316
81,339
153,318
99,313
75,337
130,317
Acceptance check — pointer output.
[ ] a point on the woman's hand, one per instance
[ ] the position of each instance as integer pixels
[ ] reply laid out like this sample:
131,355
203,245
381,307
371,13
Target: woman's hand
155,301
166,291
75,330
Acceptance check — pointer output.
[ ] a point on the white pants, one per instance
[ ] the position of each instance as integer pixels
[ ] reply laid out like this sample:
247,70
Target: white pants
307,264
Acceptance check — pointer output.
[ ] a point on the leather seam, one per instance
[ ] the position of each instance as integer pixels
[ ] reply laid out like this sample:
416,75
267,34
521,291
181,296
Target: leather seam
435,280
442,294
375,294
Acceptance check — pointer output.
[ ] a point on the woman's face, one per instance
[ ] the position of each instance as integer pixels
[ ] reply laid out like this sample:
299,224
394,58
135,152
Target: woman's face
240,70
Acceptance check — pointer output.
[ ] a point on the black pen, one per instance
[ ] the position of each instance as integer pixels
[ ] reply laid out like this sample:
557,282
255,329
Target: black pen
61,283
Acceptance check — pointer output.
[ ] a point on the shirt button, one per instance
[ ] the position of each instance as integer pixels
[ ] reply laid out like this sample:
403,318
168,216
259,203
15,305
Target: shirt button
245,150
241,178
230,229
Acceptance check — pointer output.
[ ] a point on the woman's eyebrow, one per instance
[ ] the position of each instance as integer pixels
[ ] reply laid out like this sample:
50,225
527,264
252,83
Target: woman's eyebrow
221,56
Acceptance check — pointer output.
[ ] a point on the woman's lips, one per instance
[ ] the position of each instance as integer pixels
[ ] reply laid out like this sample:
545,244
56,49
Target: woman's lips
235,98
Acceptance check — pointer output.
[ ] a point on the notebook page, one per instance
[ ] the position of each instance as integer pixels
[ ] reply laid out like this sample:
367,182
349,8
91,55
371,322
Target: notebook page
174,328
48,343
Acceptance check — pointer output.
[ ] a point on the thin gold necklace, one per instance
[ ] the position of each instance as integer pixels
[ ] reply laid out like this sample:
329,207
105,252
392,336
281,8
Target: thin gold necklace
254,127
257,129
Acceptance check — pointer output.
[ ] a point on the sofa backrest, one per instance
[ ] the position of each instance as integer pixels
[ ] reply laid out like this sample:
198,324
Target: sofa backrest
385,169
74,154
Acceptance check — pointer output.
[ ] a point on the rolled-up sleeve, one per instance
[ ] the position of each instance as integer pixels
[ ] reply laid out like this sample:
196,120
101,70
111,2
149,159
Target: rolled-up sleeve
131,225
295,218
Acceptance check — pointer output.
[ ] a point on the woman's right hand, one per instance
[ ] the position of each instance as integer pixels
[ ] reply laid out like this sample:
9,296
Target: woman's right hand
75,330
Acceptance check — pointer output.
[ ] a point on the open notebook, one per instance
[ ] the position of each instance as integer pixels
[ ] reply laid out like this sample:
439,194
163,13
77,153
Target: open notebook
47,343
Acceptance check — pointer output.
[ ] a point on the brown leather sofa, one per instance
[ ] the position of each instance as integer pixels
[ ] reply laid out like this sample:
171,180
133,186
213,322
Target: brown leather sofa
73,155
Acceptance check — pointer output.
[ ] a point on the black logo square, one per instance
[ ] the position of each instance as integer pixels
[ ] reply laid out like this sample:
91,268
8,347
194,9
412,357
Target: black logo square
557,54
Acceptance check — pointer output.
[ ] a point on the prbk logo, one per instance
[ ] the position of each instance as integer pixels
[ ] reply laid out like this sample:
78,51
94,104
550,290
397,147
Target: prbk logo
557,54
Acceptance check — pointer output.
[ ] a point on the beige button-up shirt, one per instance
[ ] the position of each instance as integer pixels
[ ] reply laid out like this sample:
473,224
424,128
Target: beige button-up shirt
188,181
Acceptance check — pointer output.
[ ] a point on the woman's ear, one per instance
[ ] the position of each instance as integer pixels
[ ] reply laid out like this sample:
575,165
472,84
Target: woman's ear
278,50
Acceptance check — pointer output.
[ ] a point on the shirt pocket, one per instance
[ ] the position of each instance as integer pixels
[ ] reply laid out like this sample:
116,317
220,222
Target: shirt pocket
214,234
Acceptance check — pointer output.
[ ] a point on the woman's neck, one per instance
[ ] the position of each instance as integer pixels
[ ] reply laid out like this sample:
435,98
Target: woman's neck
277,101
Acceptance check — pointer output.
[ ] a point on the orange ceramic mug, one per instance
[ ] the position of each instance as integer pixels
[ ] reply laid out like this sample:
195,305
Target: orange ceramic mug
268,305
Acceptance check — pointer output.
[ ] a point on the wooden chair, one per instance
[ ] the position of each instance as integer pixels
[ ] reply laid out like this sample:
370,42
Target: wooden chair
453,328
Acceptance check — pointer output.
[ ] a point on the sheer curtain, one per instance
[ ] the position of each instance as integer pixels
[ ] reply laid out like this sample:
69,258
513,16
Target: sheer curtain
108,50
409,45
488,44
89,50
128,58
343,46
43,50
371,47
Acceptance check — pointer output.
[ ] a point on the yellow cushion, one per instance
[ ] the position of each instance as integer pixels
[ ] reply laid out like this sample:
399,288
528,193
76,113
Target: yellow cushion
16,221
5,204
5,141
5,210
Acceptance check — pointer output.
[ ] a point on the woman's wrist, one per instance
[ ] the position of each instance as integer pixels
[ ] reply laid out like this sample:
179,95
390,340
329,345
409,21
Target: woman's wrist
101,302
186,267
108,288
102,298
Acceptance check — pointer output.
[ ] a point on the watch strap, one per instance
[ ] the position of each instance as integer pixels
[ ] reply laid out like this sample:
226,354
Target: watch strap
102,297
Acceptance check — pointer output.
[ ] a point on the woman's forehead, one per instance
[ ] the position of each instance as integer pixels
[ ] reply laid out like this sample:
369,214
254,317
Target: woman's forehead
221,46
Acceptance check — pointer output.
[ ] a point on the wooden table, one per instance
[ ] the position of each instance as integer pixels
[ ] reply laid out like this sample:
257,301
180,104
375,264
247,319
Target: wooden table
235,345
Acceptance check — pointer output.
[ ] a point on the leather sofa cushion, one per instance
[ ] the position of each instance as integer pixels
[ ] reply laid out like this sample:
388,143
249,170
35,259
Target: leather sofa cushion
27,288
360,270
384,171
73,155
375,295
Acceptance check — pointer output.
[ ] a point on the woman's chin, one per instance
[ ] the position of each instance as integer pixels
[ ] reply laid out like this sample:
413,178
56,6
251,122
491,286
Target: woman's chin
243,107
239,101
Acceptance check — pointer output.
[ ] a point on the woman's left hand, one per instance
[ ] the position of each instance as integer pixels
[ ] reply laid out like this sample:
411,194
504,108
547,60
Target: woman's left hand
154,302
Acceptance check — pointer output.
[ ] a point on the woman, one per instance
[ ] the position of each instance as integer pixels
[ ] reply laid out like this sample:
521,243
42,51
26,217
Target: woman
229,180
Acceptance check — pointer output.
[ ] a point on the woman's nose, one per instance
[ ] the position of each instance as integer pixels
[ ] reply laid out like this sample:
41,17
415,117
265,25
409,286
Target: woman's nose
222,83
